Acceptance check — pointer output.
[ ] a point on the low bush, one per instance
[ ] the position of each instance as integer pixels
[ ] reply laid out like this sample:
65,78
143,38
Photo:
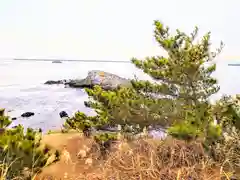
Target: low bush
21,152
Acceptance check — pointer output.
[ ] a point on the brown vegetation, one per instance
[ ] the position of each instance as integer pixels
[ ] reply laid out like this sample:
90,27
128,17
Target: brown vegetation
169,159
150,159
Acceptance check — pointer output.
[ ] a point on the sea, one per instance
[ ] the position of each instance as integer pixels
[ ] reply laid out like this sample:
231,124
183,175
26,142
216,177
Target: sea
22,88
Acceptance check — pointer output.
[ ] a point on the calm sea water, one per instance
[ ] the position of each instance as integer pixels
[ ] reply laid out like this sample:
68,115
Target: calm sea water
22,88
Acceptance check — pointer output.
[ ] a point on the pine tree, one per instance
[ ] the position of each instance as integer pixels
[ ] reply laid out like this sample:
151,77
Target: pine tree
184,76
177,99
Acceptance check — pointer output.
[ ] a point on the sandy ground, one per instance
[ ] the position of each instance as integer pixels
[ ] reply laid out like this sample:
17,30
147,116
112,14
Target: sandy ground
73,169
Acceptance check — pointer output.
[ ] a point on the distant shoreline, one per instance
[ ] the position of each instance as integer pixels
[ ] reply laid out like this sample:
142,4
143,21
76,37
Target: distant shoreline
72,60
233,64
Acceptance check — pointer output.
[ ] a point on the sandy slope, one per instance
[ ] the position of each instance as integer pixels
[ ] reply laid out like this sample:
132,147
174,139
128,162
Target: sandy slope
74,169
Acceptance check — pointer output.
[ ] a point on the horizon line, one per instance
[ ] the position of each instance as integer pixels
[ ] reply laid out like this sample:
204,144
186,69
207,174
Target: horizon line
69,60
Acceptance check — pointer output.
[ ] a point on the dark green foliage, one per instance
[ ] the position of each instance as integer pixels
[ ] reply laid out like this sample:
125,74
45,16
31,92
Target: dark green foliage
105,137
120,106
21,150
197,122
81,122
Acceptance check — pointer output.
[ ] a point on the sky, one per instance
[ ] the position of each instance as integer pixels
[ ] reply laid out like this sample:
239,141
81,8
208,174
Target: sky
110,29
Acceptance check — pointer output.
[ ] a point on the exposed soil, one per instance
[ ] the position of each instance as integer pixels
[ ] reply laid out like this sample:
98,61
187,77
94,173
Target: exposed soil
74,168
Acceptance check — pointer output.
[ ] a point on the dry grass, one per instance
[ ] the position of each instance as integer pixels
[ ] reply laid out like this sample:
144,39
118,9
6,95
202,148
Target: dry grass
229,152
144,159
168,160
150,159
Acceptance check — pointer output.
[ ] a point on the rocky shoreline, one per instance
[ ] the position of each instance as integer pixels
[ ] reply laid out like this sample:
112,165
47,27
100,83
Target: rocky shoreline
107,81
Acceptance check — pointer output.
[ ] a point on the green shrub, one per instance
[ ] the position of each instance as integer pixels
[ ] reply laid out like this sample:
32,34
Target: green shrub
4,120
227,112
21,151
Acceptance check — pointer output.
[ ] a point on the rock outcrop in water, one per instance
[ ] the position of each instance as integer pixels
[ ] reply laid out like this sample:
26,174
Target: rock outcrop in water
56,61
51,82
63,114
107,81
27,114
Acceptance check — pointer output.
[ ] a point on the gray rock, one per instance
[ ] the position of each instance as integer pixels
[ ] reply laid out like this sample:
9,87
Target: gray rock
107,128
108,81
56,61
51,82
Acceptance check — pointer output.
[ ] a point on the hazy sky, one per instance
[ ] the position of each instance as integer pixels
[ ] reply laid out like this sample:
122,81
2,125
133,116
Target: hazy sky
109,29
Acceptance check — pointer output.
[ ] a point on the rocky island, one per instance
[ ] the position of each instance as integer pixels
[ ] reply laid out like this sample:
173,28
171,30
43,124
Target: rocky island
107,81
56,61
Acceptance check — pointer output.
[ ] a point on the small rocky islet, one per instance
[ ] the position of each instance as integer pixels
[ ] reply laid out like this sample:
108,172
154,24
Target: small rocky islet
106,80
